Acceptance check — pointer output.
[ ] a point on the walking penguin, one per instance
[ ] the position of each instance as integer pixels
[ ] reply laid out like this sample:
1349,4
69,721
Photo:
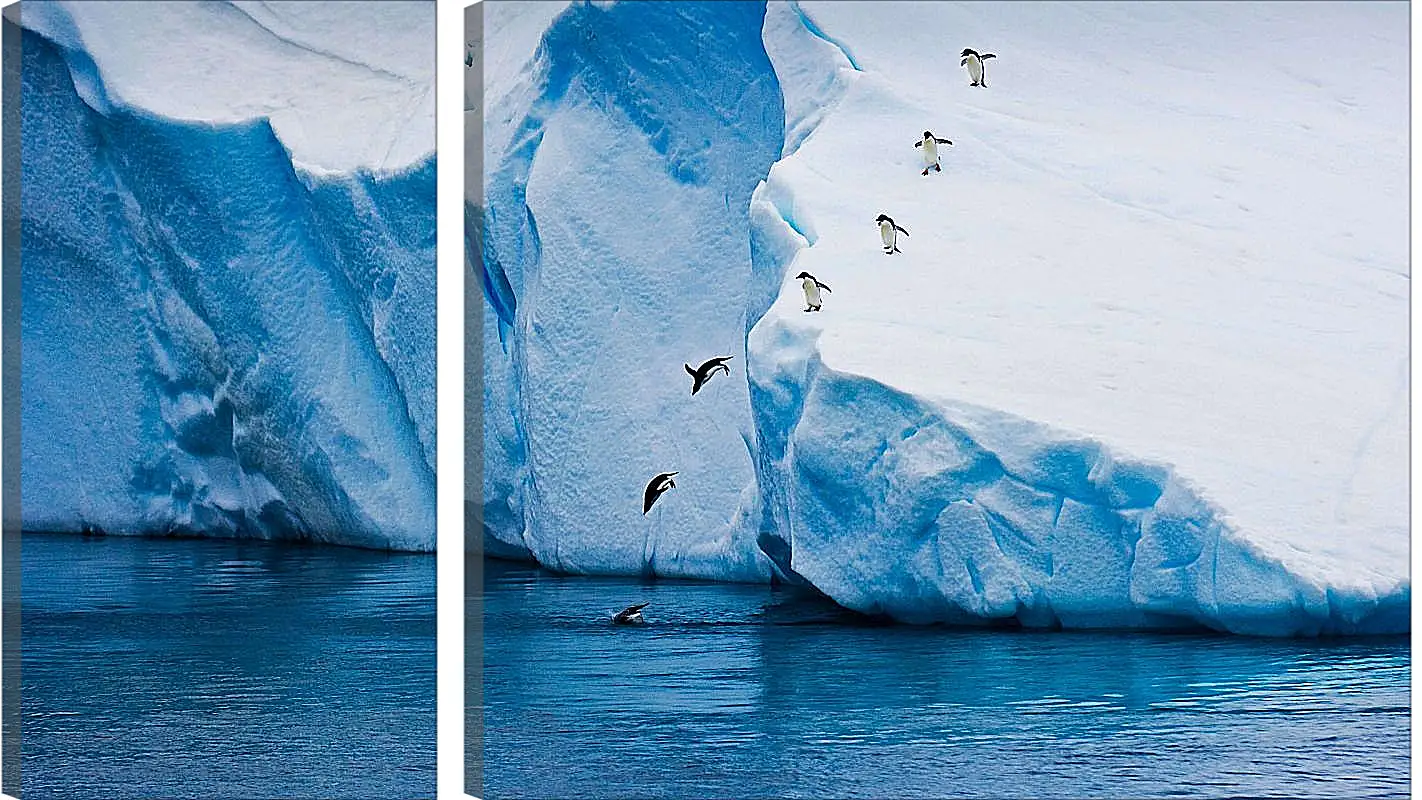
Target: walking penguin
812,287
930,151
976,69
889,233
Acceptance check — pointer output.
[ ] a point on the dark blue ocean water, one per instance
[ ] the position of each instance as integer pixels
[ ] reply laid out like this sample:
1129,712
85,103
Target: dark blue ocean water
222,669
747,691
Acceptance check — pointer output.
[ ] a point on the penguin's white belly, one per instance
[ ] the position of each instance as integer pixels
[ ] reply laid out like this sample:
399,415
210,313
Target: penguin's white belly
975,69
930,153
886,232
812,293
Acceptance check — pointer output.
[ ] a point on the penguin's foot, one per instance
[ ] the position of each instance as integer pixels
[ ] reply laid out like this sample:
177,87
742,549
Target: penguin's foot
974,83
936,168
925,172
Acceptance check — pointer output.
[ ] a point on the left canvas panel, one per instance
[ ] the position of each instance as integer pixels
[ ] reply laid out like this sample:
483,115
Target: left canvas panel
220,399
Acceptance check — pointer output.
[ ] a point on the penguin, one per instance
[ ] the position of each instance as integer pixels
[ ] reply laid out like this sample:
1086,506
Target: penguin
889,232
468,54
812,290
631,615
974,62
703,373
659,484
930,151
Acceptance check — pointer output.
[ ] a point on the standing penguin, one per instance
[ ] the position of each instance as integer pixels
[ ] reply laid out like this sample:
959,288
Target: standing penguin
812,288
930,151
889,233
974,63
703,373
655,488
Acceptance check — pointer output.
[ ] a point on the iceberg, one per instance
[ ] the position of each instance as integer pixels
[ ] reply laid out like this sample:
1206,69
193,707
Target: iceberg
1142,361
614,233
228,283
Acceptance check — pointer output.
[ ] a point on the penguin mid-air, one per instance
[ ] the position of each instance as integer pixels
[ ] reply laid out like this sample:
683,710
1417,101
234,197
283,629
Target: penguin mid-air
703,373
812,287
889,233
631,615
974,62
655,488
930,143
468,54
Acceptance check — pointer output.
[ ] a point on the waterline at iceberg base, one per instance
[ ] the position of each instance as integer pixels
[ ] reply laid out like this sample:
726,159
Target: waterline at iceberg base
1114,379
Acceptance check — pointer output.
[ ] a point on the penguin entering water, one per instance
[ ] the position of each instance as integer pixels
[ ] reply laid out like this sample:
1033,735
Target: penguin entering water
631,615
889,233
703,373
974,62
812,288
930,143
655,488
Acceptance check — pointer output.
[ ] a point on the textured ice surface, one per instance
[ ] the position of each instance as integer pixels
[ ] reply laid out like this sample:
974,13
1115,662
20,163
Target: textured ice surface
1142,361
215,341
616,249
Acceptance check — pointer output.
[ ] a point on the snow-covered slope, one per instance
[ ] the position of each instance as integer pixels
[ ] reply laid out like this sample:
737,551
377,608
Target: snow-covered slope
345,83
217,341
1141,362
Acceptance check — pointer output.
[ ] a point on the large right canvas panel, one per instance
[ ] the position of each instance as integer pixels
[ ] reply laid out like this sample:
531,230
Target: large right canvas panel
941,399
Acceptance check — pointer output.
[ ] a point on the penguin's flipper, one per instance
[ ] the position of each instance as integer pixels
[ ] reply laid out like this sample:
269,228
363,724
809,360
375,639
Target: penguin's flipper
826,288
918,144
986,56
901,230
964,62
943,141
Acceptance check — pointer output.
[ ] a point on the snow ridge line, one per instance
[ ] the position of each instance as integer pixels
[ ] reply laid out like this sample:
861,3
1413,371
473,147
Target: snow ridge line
385,73
819,33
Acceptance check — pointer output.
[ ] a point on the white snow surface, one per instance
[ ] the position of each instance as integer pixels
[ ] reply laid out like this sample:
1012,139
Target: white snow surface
295,63
1143,360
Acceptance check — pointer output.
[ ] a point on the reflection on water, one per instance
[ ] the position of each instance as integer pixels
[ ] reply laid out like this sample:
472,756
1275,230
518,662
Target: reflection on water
225,669
748,691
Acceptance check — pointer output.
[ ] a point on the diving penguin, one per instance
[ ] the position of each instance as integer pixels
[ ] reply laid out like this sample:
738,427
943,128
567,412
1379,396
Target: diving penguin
655,488
889,232
812,288
974,62
703,373
930,151
631,615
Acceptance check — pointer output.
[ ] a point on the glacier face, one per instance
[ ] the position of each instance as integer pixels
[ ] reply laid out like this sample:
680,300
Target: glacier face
616,248
1159,383
215,341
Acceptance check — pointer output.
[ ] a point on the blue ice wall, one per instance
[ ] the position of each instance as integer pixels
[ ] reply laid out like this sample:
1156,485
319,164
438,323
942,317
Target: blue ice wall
615,248
212,342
